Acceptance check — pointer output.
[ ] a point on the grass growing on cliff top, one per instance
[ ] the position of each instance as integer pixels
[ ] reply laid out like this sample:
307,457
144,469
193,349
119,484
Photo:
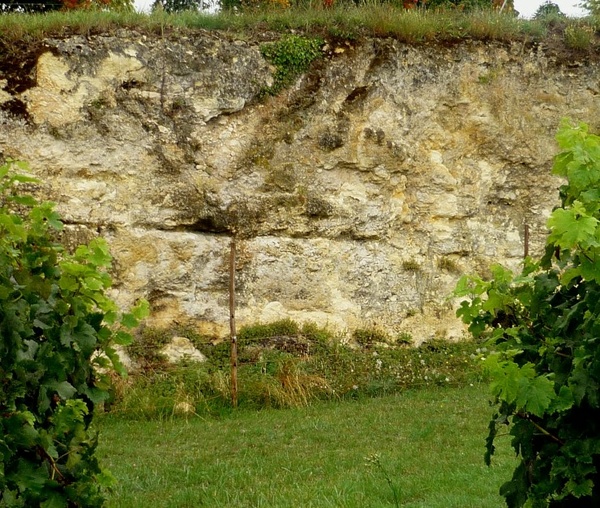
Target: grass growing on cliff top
344,21
430,444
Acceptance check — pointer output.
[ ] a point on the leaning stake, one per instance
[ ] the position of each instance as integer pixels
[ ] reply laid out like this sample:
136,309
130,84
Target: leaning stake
234,383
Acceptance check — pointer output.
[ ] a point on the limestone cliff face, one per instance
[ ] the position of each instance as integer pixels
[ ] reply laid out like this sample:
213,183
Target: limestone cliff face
359,196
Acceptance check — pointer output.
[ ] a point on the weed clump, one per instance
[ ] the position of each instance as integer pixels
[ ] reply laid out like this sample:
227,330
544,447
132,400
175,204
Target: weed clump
579,37
369,337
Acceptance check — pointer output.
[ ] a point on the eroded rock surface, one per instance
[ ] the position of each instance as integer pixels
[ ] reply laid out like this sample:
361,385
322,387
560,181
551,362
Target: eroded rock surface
358,197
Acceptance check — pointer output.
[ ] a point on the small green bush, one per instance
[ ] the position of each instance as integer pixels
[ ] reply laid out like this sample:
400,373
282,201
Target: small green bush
578,36
549,10
257,332
404,339
319,338
145,349
291,56
411,266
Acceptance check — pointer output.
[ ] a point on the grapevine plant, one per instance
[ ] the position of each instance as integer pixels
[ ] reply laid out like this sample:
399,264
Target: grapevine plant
545,324
57,335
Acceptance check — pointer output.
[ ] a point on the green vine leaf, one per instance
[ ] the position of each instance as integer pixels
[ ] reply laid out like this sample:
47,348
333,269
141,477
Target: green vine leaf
573,227
563,401
536,395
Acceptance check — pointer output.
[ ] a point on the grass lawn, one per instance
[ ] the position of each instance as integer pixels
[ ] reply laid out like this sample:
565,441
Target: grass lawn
430,446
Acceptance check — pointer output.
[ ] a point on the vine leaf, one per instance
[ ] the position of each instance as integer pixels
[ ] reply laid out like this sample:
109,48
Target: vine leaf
536,395
572,227
563,401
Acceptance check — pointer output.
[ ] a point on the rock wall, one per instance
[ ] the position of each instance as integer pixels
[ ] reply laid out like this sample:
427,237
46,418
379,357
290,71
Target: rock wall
358,197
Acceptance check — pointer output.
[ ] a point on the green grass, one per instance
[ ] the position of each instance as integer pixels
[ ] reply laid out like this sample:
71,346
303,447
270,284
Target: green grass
345,21
430,444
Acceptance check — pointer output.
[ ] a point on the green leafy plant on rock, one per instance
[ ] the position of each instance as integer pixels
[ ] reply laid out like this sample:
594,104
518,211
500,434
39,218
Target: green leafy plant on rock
291,56
545,323
57,332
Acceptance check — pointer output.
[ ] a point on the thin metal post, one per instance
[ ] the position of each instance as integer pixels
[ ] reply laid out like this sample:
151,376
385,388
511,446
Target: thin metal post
232,331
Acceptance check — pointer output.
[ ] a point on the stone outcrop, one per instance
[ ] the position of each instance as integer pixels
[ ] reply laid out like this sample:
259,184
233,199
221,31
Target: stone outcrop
358,196
181,349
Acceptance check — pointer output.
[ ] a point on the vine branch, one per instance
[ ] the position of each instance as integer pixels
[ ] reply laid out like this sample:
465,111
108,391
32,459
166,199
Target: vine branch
541,429
44,454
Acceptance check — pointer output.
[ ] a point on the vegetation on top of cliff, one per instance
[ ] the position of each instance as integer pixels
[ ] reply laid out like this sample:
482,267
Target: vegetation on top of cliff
291,56
343,21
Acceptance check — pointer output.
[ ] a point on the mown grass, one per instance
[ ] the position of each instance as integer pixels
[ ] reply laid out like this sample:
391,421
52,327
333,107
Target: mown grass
346,20
430,445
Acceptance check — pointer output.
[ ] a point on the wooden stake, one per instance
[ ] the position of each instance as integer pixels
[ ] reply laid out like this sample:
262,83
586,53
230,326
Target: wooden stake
526,241
232,331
